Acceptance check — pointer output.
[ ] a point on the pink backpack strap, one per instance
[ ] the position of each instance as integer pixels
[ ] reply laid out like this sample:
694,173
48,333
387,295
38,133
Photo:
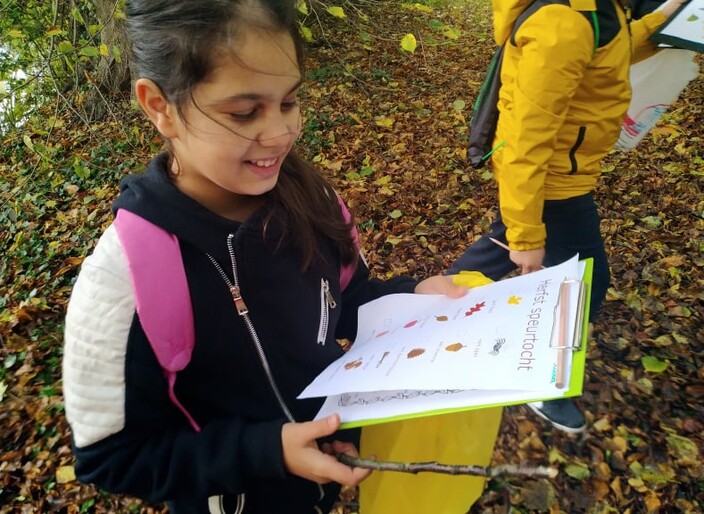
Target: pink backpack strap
161,294
347,271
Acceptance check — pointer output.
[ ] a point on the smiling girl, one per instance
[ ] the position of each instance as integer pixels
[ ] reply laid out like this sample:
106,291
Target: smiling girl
220,80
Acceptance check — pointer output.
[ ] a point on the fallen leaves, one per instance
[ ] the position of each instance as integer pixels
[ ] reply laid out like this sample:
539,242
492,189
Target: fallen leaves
388,129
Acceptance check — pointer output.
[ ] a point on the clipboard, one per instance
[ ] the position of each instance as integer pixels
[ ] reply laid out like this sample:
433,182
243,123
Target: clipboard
684,29
577,354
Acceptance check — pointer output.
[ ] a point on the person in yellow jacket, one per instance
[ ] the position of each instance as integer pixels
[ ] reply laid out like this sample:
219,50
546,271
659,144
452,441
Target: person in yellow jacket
564,93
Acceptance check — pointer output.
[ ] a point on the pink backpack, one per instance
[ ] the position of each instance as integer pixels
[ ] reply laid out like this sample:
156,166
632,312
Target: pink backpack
159,280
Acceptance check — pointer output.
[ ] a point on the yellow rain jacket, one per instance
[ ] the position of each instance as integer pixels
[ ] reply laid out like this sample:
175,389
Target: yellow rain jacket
561,103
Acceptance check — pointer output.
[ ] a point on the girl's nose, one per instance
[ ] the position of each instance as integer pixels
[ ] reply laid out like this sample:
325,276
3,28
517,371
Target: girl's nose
280,129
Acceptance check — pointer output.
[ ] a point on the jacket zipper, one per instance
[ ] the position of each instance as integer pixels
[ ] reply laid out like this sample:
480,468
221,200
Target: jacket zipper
242,310
575,147
327,302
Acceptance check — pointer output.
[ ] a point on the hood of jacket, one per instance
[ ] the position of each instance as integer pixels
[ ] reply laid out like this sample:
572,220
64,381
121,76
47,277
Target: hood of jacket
506,11
153,196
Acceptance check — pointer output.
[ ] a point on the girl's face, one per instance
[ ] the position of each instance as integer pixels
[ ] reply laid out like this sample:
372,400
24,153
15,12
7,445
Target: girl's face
243,121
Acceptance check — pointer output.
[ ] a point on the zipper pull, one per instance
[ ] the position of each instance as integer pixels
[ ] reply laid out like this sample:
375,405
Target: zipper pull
239,301
328,295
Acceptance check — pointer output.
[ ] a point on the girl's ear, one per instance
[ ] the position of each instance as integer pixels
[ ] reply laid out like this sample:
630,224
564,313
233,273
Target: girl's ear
160,111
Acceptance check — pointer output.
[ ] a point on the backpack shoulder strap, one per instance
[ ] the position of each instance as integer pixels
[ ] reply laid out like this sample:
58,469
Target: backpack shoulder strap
161,293
347,270
590,14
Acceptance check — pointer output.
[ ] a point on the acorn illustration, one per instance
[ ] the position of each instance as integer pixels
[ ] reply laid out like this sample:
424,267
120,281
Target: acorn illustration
441,318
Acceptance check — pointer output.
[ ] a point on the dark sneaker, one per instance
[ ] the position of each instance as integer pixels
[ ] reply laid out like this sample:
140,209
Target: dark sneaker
563,414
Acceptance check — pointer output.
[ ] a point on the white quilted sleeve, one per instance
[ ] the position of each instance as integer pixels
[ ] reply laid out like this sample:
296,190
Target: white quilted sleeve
98,321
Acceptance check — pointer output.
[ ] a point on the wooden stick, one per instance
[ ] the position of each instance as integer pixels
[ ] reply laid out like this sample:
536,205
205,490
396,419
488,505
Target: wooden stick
448,469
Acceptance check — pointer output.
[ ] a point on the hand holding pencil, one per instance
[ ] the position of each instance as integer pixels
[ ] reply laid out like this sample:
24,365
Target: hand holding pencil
526,260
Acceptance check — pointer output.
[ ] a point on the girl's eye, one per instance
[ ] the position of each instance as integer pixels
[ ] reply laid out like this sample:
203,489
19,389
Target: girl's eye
287,106
243,116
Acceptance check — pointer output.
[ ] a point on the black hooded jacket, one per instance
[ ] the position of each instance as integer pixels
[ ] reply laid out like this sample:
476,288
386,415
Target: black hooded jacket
226,387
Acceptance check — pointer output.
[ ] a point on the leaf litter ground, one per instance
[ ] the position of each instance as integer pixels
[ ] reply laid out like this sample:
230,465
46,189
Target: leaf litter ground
388,128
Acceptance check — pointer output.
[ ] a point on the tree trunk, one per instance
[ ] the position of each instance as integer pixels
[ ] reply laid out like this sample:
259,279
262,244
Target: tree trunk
112,75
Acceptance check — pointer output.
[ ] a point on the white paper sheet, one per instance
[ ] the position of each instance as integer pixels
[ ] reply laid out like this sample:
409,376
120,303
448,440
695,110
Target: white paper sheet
496,338
688,24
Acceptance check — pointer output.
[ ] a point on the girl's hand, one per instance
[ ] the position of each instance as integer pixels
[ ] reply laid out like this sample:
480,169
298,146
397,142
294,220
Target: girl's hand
303,458
440,284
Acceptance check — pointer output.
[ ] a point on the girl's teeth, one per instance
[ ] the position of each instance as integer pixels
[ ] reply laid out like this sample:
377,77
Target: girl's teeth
265,164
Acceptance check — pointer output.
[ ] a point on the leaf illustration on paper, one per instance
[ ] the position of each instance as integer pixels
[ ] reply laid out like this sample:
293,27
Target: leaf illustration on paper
441,318
514,300
416,352
353,364
477,307
454,347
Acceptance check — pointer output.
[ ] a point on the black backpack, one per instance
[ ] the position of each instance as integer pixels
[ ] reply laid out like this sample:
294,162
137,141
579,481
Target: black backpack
485,111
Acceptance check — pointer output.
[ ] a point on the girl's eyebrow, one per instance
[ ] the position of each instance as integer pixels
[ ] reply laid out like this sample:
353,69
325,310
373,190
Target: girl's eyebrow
255,96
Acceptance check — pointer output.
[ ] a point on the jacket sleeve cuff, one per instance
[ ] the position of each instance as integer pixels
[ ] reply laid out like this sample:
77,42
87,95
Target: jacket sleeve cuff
262,450
526,238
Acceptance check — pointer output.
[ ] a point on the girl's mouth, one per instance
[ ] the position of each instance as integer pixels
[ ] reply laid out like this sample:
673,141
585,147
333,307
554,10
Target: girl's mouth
265,163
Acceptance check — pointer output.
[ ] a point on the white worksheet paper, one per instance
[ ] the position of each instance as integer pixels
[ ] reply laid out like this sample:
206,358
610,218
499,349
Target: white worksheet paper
688,24
495,340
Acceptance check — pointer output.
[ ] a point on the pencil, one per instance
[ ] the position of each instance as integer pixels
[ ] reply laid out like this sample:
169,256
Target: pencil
562,335
499,243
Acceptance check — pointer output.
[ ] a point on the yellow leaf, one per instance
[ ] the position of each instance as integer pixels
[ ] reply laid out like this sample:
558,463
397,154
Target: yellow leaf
104,50
652,502
17,34
637,484
665,130
306,34
337,12
302,7
333,166
418,7
408,43
356,118
602,424
384,121
577,470
683,449
452,33
471,279
65,474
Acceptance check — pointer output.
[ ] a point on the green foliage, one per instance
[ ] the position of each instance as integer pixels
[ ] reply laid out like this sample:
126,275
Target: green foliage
47,49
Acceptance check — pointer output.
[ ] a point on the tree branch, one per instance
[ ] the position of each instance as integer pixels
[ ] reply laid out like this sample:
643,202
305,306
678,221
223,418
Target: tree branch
448,469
